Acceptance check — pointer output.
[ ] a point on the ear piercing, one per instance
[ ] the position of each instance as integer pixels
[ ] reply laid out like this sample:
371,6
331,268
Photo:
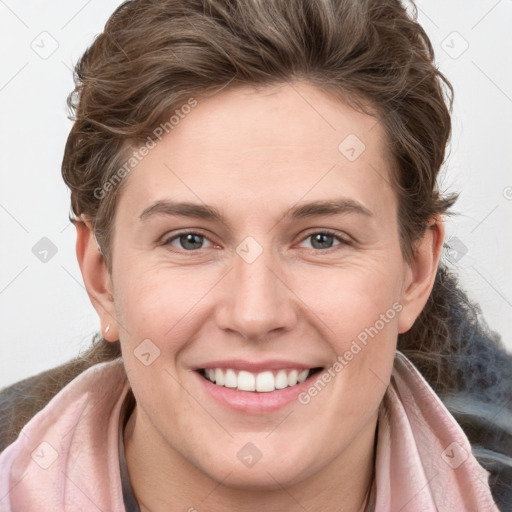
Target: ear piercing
107,328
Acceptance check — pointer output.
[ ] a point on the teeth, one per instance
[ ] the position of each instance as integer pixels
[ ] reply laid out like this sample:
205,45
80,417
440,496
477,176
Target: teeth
281,380
230,380
292,377
263,382
303,375
219,376
246,381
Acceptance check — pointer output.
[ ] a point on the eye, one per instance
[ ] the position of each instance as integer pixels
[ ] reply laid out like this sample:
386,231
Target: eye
188,241
323,240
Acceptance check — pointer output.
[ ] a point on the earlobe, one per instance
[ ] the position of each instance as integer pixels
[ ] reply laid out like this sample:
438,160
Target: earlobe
421,274
96,277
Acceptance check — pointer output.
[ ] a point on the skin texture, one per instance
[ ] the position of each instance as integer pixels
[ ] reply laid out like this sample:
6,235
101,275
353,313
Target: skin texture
253,155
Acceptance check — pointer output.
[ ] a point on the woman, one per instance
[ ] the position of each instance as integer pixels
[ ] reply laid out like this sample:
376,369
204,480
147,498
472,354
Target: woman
260,230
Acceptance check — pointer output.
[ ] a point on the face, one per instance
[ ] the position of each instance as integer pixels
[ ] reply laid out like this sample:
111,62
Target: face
255,245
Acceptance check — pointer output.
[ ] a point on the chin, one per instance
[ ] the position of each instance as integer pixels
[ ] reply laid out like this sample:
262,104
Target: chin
266,477
251,469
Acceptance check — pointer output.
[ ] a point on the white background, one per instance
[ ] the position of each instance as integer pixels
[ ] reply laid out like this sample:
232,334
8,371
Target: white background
45,315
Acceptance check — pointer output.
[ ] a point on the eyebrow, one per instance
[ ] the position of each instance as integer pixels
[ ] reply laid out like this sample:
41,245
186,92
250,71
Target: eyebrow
302,210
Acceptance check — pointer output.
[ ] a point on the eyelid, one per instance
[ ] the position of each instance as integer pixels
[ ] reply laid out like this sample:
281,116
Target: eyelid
341,236
168,238
344,240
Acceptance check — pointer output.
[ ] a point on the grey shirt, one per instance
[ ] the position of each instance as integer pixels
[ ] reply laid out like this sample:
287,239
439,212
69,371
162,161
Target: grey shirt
130,504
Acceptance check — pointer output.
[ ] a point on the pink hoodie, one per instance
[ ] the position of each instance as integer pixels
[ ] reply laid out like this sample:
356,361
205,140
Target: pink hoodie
67,456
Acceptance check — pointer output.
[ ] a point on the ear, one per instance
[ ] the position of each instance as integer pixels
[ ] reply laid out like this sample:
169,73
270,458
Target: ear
96,278
421,273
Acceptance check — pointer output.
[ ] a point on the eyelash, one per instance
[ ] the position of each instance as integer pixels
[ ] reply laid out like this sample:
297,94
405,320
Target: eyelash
342,241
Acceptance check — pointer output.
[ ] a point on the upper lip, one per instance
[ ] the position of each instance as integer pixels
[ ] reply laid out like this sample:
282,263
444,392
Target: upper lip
255,366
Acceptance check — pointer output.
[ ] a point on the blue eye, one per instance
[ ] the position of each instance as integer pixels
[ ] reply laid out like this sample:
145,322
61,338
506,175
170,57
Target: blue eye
188,241
323,240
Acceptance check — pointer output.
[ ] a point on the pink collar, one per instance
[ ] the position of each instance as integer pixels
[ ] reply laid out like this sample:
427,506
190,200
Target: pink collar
424,461
67,456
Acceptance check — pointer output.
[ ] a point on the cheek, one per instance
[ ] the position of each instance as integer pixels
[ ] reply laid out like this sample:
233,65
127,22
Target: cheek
159,303
351,300
359,309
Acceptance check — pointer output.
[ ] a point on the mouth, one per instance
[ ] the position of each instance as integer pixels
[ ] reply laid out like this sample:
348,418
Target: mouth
266,381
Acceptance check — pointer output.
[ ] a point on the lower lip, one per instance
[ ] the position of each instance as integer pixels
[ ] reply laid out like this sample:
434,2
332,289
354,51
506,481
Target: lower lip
251,402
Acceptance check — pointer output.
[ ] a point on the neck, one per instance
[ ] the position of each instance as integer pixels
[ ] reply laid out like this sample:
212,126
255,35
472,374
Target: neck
162,480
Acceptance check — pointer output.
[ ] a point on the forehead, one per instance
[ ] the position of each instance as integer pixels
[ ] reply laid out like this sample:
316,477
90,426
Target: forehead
292,140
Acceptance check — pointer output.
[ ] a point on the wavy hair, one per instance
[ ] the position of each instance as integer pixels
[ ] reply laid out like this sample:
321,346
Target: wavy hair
154,55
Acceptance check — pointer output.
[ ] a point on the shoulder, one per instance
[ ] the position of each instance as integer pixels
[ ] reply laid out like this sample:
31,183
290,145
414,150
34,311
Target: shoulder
469,368
21,401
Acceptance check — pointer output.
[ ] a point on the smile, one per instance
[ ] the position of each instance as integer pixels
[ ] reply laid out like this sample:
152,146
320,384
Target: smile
262,382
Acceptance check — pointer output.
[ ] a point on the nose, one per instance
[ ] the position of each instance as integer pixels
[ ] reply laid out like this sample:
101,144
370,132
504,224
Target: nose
257,302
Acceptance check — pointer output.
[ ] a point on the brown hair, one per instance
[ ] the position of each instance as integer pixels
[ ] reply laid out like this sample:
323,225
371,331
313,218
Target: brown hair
366,52
154,55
